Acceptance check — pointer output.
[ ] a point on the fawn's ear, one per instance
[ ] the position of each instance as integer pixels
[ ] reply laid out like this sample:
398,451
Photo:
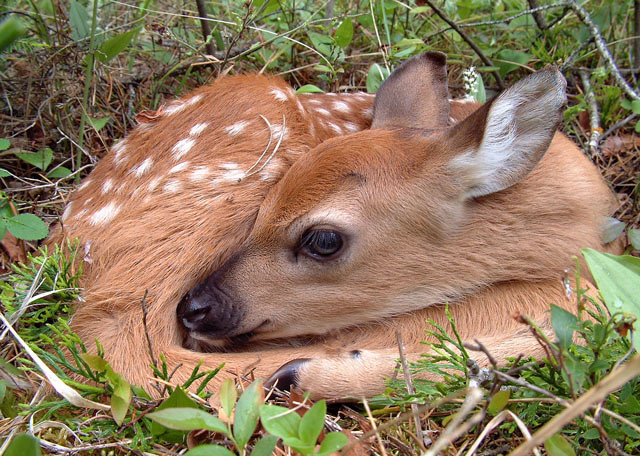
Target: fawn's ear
501,142
415,95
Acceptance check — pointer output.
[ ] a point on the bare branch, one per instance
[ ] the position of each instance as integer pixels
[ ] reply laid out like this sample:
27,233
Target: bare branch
594,116
537,15
204,23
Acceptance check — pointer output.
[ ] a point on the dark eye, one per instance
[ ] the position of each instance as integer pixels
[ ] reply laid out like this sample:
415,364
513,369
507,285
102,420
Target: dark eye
321,244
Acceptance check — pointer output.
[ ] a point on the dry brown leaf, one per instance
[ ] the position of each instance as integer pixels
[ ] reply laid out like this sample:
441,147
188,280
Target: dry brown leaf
14,248
616,144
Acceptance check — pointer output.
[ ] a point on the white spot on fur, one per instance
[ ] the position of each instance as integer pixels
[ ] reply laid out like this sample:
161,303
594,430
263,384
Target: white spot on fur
237,127
278,131
301,108
67,211
172,186
231,175
315,101
118,152
176,107
271,171
87,201
105,215
229,166
80,214
85,184
342,107
323,111
368,113
108,185
154,183
198,128
335,127
179,167
279,95
182,147
142,168
199,173
351,127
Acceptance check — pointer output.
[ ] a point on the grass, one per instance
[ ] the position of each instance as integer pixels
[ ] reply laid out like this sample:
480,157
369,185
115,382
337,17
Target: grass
77,75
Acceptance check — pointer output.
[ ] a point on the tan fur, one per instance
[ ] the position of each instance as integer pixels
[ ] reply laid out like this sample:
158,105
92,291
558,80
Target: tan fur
516,242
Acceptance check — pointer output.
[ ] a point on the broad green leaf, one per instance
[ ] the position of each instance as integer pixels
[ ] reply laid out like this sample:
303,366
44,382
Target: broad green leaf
612,229
11,29
228,396
563,323
618,279
28,227
591,434
312,423
280,421
41,159
95,362
578,371
344,33
333,441
247,411
98,123
634,238
631,406
323,43
309,88
4,144
557,445
114,46
498,402
188,419
3,390
177,399
79,21
508,56
265,446
419,10
4,173
299,446
635,106
120,399
375,77
209,450
59,172
23,445
3,228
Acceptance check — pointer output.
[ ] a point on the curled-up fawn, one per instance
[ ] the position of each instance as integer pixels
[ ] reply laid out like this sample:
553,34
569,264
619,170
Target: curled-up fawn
296,234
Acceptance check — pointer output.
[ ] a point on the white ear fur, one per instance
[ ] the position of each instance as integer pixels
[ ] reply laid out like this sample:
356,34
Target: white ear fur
519,127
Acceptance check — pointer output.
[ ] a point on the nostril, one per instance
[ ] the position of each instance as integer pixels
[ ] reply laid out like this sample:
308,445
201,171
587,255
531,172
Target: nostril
193,311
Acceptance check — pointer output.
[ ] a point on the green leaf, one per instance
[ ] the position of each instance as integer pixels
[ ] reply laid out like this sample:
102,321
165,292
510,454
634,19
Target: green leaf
4,173
498,402
177,399
280,421
3,390
28,227
630,406
557,445
23,445
578,371
4,144
228,396
209,450
419,10
634,238
323,43
114,46
375,77
309,88
59,172
188,419
344,33
247,411
3,228
265,446
333,441
99,122
635,106
618,279
41,159
79,21
563,323
591,434
120,399
95,362
11,29
612,229
508,56
312,423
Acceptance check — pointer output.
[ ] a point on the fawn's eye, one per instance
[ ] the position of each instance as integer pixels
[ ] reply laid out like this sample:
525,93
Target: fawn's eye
320,244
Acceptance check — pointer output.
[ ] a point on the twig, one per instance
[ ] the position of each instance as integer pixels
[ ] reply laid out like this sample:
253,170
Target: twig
411,390
584,16
145,312
204,23
537,15
610,383
619,124
374,427
469,41
495,422
515,16
594,116
456,428
567,63
636,33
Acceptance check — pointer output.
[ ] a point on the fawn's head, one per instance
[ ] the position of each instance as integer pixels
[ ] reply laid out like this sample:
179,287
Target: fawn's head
370,224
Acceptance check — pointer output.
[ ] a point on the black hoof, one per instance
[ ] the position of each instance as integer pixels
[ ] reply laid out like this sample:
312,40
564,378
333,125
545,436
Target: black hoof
287,376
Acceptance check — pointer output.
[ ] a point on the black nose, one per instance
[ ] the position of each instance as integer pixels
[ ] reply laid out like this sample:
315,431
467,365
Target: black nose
209,310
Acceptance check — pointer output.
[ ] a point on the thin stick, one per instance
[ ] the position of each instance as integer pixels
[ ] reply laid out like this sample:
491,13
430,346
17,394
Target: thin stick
469,41
594,116
374,427
411,390
204,23
145,311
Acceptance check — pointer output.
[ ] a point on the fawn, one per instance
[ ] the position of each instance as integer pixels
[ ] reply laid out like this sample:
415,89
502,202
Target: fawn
295,234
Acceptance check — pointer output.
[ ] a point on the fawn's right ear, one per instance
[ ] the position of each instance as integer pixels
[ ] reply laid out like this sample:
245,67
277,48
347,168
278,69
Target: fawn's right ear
500,143
415,95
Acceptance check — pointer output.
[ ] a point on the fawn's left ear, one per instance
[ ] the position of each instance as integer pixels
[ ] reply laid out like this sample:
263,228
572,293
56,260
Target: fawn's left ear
415,95
500,143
